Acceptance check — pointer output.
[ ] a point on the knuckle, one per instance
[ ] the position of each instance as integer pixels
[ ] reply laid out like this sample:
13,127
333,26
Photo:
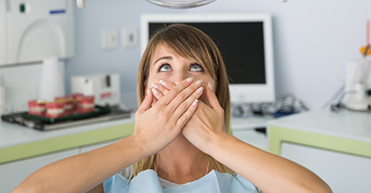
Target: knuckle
181,96
183,119
221,111
163,114
173,91
183,106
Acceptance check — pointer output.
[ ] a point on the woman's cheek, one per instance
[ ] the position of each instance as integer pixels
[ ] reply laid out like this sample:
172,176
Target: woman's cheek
204,99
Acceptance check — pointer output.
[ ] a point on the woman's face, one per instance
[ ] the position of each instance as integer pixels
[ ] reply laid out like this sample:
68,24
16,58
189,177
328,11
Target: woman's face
168,66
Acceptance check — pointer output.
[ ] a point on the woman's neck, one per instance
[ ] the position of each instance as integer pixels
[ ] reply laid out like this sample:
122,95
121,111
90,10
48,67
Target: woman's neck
181,162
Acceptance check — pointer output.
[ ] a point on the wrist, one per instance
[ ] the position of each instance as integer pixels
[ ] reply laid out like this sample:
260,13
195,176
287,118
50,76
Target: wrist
216,143
140,146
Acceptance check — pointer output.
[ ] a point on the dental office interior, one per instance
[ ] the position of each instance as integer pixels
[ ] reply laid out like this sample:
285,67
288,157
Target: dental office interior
317,70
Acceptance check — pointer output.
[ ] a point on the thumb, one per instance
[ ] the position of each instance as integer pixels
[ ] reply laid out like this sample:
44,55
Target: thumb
213,100
147,102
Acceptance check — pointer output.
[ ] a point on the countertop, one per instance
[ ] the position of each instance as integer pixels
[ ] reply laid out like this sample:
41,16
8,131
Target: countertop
344,124
19,142
345,131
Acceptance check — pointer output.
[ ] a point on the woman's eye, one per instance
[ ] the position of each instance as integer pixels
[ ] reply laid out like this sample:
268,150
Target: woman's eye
197,67
165,67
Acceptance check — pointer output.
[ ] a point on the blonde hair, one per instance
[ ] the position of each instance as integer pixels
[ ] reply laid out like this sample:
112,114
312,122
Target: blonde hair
191,43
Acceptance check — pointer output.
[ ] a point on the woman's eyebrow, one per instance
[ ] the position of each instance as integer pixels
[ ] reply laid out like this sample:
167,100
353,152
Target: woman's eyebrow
163,58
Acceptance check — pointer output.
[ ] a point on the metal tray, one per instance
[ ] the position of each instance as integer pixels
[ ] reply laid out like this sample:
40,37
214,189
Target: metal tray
97,112
100,114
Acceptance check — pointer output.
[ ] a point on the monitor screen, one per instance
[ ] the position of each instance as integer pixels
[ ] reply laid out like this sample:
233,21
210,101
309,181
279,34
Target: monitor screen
245,42
241,45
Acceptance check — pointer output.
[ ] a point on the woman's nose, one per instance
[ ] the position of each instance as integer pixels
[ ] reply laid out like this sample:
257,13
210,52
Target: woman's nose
179,77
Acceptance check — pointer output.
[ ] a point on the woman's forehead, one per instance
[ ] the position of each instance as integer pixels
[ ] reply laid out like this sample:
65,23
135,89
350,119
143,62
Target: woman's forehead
164,51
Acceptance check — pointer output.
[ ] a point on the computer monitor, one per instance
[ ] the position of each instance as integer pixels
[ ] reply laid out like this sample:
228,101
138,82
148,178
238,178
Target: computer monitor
246,44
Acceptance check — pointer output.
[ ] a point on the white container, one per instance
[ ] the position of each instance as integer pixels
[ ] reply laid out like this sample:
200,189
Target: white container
2,94
51,82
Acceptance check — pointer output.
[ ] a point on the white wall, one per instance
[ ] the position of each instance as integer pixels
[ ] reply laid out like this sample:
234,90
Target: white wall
90,58
313,39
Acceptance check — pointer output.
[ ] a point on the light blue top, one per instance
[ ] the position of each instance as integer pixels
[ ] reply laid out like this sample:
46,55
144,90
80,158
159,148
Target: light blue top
148,181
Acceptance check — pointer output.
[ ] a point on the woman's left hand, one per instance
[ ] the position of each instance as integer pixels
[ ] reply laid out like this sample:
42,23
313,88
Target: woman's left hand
206,123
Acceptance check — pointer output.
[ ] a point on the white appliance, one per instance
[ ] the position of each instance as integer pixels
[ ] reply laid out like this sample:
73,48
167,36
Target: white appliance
105,88
358,82
32,30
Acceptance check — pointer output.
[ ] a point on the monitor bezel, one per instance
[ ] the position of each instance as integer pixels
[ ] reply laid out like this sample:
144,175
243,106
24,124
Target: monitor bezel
240,93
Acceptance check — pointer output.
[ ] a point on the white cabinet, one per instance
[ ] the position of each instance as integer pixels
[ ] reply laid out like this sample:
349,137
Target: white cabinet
342,172
12,174
244,129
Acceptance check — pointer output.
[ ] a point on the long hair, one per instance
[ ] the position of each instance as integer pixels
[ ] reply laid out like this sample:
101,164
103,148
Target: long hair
191,43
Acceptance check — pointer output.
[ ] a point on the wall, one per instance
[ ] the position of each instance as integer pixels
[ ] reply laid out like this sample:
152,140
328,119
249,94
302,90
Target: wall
90,58
313,40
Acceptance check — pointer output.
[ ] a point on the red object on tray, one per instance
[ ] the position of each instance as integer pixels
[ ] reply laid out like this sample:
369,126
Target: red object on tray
85,104
36,108
69,104
54,109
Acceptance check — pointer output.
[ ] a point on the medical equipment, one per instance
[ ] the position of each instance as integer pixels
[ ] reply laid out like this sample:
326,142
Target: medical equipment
33,30
105,88
177,4
246,42
358,98
2,94
51,80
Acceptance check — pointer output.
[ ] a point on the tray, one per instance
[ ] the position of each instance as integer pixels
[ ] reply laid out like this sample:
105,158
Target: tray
100,114
97,112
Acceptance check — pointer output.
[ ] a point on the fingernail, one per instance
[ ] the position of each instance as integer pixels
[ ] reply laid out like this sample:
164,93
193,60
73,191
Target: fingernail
189,80
195,103
210,86
199,90
156,86
163,83
148,91
198,83
155,92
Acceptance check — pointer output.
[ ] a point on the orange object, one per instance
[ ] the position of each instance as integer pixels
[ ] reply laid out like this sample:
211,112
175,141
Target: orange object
363,49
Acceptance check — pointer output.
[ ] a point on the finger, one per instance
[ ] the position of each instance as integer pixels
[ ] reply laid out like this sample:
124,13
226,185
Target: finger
182,121
167,85
213,100
173,93
147,102
157,93
184,94
160,88
183,107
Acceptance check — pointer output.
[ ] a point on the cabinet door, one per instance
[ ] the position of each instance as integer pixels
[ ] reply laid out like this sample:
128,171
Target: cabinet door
342,172
12,174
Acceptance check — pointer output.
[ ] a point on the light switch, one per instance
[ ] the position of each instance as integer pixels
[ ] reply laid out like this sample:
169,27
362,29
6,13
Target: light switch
109,39
129,37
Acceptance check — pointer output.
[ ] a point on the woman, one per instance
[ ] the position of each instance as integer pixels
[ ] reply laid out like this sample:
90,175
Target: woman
181,141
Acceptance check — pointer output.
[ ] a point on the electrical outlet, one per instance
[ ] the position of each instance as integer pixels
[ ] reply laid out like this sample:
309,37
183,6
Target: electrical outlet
109,39
129,37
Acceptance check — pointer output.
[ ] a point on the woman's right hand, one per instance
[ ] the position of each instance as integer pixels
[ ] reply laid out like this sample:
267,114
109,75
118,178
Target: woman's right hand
157,125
